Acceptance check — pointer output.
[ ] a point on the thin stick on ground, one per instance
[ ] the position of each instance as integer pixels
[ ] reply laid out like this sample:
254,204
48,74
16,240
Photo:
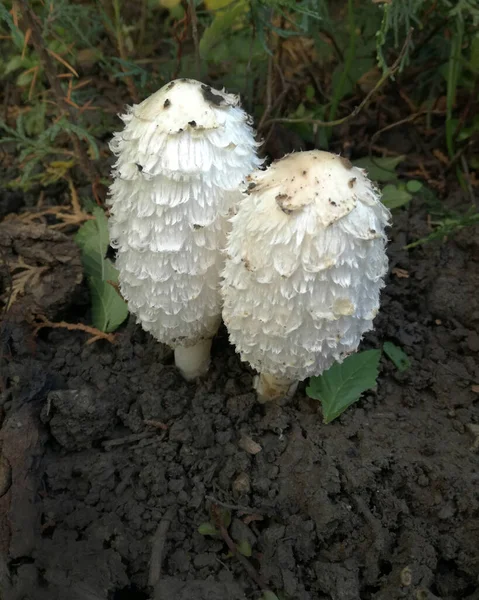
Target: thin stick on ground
389,73
158,546
252,572
96,333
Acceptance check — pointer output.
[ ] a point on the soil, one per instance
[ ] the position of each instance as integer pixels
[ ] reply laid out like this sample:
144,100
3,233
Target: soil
101,501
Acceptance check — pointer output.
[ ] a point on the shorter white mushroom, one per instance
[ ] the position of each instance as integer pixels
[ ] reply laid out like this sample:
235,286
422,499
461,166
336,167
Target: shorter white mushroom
304,268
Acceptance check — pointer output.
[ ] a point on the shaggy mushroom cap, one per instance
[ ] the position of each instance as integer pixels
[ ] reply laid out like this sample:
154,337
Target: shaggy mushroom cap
180,159
305,262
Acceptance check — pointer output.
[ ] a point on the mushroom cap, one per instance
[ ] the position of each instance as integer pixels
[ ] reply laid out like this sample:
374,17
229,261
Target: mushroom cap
185,104
184,130
176,182
305,262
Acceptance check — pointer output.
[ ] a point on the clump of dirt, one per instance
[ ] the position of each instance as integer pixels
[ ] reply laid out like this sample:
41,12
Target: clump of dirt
41,269
381,504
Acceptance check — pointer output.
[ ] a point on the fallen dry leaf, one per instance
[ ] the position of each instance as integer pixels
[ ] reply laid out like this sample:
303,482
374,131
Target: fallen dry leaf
401,273
475,389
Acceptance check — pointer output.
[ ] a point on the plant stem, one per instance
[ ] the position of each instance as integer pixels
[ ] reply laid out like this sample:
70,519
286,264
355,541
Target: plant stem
122,52
196,40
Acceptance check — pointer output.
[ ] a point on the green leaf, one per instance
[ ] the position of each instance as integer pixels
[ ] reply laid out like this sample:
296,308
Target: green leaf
93,235
108,309
269,596
342,384
226,518
394,196
221,25
413,186
397,356
380,169
208,529
244,548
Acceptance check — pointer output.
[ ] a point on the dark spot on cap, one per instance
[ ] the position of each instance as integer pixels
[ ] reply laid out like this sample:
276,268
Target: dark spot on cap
305,172
171,85
372,231
280,200
250,187
180,130
196,226
332,202
139,167
192,123
210,96
351,182
247,264
166,103
345,162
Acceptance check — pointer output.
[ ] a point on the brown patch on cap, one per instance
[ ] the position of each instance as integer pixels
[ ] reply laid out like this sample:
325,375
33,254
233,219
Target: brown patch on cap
351,182
167,103
247,264
281,199
171,85
192,123
346,163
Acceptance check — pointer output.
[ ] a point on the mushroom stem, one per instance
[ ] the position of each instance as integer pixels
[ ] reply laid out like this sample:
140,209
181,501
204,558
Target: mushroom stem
270,387
193,361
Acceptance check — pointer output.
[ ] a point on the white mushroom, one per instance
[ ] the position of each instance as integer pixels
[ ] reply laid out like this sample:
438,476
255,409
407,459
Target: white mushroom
304,268
181,157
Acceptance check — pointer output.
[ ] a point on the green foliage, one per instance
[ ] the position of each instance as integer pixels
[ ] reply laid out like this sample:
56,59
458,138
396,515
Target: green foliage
383,170
380,169
397,356
343,383
208,528
109,310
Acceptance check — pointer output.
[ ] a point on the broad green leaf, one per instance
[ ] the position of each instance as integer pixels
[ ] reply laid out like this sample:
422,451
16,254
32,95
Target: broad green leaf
413,186
244,548
342,384
397,356
108,309
394,196
93,235
208,529
380,169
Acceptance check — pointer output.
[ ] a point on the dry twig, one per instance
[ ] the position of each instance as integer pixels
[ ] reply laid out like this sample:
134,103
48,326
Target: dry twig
96,333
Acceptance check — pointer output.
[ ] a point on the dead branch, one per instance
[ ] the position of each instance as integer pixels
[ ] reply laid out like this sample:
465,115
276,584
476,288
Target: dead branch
158,546
96,333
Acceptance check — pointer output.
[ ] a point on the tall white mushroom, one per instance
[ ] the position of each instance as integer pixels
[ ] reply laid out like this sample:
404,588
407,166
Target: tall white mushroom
181,157
304,268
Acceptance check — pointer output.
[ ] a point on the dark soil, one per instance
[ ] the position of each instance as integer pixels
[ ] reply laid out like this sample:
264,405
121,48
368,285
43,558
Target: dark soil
381,504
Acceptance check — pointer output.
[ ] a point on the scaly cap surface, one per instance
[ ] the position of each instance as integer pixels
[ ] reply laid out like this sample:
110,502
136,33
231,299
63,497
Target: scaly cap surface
305,261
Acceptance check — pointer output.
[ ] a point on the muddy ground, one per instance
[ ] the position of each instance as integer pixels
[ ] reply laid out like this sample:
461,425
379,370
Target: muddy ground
381,504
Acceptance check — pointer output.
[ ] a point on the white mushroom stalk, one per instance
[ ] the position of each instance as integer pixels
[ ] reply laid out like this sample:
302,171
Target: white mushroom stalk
180,159
305,265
